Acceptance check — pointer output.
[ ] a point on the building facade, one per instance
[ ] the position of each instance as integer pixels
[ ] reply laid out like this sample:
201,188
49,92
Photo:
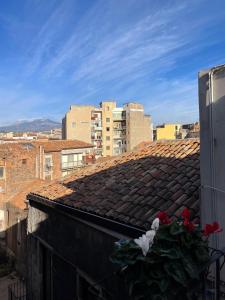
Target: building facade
167,132
112,130
22,166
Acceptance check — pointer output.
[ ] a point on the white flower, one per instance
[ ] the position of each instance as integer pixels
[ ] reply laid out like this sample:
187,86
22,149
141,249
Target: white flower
143,243
146,240
150,235
155,224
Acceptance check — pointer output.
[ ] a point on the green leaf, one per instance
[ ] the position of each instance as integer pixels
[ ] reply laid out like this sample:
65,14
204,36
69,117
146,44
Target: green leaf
172,253
191,267
176,229
163,284
202,254
176,271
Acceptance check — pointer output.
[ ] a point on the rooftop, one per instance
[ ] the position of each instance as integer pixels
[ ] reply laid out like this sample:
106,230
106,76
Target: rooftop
58,145
133,187
19,200
7,149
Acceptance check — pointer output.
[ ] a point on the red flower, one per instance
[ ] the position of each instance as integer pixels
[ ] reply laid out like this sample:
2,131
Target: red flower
211,228
163,217
189,225
186,214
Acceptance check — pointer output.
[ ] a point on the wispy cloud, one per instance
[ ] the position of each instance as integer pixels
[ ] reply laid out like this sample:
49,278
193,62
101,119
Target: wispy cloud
118,52
60,52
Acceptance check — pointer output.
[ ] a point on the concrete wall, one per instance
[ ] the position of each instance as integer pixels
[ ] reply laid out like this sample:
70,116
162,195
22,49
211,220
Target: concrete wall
167,132
212,135
16,236
78,245
77,123
138,126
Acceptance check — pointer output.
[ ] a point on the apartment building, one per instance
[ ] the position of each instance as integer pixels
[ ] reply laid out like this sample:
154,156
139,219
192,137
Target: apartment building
59,158
167,131
24,165
112,130
23,162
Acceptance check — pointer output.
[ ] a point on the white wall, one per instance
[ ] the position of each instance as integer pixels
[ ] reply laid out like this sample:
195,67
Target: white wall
212,135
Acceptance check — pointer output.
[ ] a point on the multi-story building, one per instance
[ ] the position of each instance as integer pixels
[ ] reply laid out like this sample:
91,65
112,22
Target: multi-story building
167,131
24,165
111,129
23,162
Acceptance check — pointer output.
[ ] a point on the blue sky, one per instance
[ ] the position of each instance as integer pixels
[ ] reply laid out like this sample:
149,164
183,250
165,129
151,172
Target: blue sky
56,53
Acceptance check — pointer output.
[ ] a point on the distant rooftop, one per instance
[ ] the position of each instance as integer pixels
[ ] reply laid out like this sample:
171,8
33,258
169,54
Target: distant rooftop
58,145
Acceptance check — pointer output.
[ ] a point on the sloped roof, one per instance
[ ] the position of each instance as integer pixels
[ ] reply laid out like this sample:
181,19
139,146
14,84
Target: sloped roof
18,200
58,145
15,149
133,187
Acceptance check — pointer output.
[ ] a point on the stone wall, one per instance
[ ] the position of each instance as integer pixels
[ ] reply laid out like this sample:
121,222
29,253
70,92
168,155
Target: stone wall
74,247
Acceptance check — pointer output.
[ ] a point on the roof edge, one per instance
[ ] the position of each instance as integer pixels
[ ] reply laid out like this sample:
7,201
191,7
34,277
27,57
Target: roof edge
111,224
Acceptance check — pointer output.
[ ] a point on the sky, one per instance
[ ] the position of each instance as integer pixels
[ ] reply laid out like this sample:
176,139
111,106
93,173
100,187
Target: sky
56,53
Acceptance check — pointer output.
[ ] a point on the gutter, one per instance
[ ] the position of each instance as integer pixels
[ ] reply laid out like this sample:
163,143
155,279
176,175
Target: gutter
119,227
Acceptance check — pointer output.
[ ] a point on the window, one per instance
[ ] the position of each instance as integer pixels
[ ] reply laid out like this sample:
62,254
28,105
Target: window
107,138
73,124
107,147
107,108
24,161
48,167
48,163
107,128
107,120
72,160
2,172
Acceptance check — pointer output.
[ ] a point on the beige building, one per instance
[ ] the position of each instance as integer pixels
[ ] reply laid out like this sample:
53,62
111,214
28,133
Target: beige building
77,123
113,130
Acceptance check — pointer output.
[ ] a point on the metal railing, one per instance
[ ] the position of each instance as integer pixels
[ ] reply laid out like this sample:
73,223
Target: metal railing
213,285
17,290
72,164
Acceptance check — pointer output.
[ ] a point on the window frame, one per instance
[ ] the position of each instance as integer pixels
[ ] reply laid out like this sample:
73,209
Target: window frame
3,172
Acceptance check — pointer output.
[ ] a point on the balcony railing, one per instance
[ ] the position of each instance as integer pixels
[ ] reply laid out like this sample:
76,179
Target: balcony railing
96,138
214,287
72,164
119,128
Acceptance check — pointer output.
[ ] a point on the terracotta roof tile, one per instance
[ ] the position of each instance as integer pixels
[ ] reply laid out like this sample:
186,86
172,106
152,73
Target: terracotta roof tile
133,187
58,145
19,199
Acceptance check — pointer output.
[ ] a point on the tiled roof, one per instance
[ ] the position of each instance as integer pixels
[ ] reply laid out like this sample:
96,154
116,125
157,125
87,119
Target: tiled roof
15,149
19,199
58,145
143,145
133,187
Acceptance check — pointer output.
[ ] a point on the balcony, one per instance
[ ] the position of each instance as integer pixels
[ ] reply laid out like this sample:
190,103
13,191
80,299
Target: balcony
98,128
119,136
120,128
72,164
119,116
96,138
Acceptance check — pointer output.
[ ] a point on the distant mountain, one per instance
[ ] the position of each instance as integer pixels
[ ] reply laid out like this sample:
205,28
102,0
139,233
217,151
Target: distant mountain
31,126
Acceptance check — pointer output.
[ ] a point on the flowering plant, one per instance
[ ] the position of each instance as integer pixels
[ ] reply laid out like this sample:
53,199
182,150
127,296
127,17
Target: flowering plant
166,262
